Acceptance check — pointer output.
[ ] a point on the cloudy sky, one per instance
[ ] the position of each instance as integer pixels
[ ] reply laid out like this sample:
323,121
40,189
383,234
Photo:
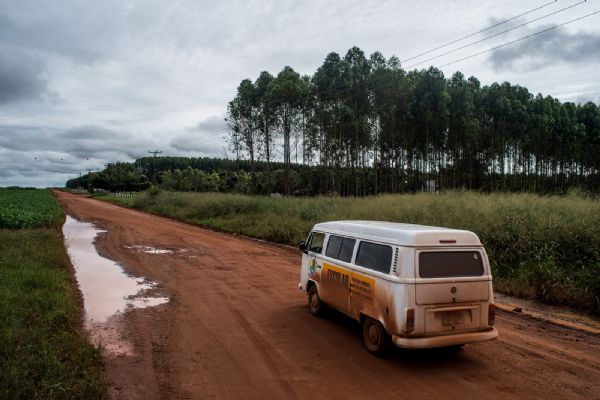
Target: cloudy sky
85,83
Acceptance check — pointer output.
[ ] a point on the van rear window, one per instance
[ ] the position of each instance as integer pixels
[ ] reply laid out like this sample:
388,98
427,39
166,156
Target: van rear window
447,264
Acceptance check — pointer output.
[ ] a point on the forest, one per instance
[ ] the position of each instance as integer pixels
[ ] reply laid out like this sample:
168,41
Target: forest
363,126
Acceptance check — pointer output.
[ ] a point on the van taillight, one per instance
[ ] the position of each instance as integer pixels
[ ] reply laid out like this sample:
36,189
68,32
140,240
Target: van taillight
410,320
491,314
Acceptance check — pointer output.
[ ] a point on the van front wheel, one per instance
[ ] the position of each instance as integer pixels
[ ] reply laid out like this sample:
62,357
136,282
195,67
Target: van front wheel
315,305
375,337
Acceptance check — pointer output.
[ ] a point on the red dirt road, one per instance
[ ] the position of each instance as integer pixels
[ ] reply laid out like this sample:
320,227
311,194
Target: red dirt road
237,327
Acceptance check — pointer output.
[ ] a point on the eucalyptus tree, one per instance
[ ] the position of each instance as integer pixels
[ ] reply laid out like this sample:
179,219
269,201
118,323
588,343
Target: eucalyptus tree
266,121
430,117
242,120
462,128
589,116
286,93
331,82
391,96
358,130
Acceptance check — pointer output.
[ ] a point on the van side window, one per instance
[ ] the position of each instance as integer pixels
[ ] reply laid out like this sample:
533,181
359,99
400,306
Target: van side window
333,246
340,248
316,242
374,256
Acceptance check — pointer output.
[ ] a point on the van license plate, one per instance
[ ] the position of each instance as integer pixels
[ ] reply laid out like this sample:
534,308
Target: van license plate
452,318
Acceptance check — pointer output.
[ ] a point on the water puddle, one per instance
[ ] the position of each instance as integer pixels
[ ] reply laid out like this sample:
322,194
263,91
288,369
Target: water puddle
149,249
560,315
107,290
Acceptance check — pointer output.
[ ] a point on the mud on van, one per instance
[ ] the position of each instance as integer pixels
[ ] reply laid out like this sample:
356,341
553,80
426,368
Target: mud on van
415,286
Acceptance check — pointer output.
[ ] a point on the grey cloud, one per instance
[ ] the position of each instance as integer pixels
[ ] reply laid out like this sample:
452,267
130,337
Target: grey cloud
81,142
88,132
211,125
40,157
584,98
77,30
206,138
148,70
548,48
21,76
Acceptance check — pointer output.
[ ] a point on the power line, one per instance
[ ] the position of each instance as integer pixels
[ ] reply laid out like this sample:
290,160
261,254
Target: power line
481,31
496,34
519,39
155,152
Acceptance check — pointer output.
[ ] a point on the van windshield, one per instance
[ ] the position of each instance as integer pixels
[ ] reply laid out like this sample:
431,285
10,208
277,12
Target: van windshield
447,264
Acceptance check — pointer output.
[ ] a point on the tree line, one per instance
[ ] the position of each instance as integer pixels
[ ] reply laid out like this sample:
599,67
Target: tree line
362,126
365,125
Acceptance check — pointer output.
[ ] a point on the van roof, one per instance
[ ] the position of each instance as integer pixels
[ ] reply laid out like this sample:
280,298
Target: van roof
401,234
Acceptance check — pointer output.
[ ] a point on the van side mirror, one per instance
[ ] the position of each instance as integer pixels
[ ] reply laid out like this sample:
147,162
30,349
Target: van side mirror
302,247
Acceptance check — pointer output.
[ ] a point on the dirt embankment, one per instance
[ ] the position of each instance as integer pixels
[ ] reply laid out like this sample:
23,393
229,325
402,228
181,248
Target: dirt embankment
236,326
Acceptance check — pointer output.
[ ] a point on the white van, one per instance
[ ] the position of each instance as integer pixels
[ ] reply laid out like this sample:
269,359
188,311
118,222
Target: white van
416,286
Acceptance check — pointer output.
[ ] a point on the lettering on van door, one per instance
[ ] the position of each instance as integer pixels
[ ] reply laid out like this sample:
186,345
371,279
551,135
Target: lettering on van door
336,288
337,276
362,287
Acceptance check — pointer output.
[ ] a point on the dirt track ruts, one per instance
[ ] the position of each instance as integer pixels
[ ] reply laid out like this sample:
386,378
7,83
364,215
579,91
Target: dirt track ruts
238,327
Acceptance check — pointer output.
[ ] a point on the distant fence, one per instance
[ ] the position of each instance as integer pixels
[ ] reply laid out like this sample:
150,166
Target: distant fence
125,195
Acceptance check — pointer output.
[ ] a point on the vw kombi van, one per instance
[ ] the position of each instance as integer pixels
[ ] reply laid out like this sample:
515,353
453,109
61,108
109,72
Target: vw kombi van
411,285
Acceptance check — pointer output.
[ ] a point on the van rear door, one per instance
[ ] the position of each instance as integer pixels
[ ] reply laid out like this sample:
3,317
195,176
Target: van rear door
452,284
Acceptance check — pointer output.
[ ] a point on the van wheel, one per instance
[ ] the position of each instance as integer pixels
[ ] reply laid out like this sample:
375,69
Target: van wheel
315,305
375,337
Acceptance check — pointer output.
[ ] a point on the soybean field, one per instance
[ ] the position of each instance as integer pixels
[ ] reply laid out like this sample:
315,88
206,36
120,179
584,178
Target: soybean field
28,208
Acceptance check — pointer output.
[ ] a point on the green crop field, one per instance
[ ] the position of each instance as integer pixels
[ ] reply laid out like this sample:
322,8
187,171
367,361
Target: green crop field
28,208
543,247
44,353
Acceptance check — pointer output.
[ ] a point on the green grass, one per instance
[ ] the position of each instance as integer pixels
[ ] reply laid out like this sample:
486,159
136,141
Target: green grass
44,353
546,248
28,208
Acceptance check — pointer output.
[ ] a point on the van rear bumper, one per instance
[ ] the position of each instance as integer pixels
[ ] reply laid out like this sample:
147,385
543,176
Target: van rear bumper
446,340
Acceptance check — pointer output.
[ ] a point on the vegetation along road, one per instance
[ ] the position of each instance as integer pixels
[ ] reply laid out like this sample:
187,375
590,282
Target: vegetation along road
236,326
44,352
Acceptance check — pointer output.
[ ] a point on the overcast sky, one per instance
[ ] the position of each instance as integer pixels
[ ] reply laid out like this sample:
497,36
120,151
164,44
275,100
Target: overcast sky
83,83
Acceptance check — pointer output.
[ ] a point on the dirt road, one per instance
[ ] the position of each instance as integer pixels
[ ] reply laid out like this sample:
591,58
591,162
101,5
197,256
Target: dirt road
238,327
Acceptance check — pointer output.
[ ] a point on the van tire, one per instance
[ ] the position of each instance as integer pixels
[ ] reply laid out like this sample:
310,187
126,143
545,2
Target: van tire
315,305
376,339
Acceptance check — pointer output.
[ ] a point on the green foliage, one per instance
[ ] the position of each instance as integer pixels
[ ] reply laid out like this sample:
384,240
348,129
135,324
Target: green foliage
542,247
378,128
28,208
43,352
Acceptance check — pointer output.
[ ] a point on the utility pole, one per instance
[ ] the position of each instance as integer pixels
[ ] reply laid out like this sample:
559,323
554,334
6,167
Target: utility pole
154,153
90,190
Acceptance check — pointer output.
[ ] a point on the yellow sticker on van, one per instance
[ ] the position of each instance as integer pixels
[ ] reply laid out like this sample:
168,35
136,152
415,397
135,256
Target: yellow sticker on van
358,285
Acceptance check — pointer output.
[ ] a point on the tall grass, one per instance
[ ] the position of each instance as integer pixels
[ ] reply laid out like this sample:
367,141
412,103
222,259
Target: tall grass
540,247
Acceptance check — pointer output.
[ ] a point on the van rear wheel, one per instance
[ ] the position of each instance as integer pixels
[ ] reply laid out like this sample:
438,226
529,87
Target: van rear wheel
315,305
375,337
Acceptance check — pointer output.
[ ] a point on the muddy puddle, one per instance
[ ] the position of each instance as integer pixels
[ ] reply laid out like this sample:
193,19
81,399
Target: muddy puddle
150,249
107,290
560,315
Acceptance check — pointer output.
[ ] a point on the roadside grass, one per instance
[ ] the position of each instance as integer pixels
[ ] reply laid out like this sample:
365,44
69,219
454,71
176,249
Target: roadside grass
542,247
44,352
